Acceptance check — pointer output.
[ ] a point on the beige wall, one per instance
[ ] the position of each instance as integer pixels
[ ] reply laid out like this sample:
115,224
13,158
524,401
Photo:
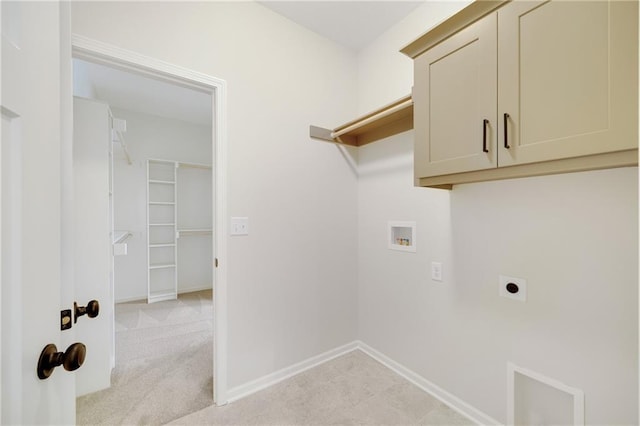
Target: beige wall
292,281
573,237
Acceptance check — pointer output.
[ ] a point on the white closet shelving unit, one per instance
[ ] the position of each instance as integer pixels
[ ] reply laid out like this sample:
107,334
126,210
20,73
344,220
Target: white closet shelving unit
178,218
162,257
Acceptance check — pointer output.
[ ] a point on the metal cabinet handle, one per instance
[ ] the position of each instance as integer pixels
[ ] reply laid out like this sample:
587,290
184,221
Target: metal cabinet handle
484,135
506,138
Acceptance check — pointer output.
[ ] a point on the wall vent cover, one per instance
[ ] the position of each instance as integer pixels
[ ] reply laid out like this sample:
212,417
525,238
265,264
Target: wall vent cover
534,399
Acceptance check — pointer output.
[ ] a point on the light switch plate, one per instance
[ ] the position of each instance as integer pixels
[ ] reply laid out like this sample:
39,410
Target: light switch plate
239,226
436,271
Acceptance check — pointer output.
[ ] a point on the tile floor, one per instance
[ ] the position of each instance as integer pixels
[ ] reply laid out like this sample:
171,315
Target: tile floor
353,389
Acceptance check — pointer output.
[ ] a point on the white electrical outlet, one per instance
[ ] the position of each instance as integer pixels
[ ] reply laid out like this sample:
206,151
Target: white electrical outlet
513,288
436,271
239,226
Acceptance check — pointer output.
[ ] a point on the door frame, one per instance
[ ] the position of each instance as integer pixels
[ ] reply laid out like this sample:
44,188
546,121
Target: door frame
107,54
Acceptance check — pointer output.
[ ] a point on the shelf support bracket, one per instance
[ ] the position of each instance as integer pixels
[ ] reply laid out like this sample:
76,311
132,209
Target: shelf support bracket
321,133
326,135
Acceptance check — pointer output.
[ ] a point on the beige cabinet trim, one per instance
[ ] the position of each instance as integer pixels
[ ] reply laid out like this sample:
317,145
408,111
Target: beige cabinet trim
568,165
450,26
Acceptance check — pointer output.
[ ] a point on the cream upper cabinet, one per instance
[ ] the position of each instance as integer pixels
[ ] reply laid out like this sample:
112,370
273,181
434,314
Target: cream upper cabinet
455,95
568,77
557,82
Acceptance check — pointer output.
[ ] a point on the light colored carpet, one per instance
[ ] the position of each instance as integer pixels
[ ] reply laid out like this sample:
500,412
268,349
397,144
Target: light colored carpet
353,389
163,364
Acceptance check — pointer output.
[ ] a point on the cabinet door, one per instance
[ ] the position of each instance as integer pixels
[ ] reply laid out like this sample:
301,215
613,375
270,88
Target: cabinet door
567,78
455,91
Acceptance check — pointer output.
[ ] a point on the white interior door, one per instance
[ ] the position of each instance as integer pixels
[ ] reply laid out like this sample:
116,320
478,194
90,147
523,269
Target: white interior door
32,136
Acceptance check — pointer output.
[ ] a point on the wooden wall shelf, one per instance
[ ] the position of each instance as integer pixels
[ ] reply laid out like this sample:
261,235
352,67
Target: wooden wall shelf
397,117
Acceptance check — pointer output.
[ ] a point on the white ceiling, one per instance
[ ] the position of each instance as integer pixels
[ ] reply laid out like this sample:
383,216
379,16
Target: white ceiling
139,93
354,24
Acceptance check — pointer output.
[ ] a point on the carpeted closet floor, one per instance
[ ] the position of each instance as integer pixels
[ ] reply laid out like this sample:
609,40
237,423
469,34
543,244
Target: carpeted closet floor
163,363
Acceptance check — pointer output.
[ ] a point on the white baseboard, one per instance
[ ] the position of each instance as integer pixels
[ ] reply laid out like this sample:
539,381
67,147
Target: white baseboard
437,392
180,291
131,299
247,389
432,389
183,290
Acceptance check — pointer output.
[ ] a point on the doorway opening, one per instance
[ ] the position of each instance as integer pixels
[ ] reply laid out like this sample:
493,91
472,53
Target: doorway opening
167,203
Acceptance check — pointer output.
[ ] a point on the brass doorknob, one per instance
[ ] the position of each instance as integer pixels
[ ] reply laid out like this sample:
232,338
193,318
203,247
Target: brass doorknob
91,310
50,358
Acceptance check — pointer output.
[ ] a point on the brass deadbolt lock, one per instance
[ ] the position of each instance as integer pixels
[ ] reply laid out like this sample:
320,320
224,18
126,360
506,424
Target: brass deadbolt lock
91,310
